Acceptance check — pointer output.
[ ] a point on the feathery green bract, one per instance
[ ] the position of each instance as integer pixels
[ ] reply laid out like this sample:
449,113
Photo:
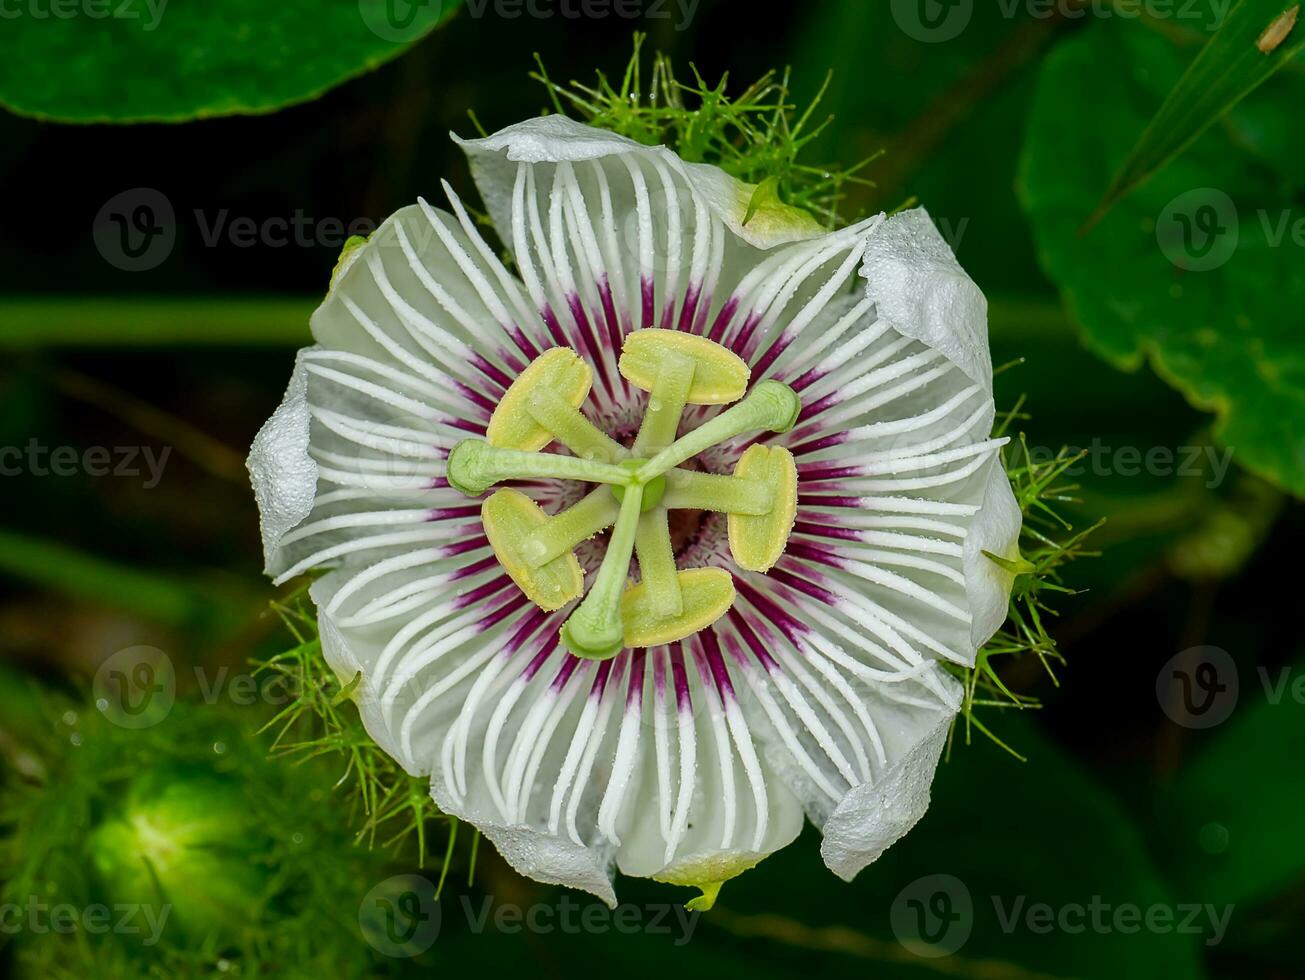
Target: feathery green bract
756,136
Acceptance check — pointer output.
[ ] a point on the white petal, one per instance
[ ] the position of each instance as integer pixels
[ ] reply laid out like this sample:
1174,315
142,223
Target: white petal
551,139
706,805
873,816
920,288
283,474
851,727
996,530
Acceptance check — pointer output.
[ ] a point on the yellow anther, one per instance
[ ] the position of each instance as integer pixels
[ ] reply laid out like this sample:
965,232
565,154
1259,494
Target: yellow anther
708,594
513,425
757,541
509,518
719,375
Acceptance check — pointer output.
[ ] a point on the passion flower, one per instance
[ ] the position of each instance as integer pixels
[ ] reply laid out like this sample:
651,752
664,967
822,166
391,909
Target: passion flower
649,548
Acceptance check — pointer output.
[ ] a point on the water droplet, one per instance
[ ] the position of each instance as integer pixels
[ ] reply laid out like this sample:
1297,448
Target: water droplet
655,405
537,550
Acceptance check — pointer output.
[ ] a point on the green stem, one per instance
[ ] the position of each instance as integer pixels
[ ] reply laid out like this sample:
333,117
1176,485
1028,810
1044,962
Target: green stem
575,524
595,630
139,321
666,401
570,427
474,466
771,405
687,490
657,569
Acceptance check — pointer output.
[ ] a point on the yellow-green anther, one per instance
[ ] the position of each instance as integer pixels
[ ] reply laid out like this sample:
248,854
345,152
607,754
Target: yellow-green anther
719,375
657,571
708,594
595,630
559,370
666,401
566,530
690,490
568,425
509,518
474,466
758,541
771,405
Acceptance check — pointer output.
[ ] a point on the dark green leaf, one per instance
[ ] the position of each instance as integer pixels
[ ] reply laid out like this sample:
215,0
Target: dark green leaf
151,60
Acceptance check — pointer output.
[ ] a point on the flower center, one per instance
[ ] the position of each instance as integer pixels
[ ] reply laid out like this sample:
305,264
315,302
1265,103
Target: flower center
637,488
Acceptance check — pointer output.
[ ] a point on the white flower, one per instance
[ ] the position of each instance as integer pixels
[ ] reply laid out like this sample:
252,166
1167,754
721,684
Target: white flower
812,687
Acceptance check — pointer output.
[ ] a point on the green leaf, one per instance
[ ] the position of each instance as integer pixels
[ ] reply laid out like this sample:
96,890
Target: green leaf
153,61
1258,38
1197,272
